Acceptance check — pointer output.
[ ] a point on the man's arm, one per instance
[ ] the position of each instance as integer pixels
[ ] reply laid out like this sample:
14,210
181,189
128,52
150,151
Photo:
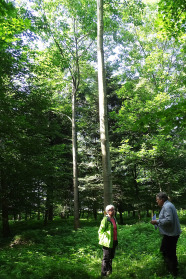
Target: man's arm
167,216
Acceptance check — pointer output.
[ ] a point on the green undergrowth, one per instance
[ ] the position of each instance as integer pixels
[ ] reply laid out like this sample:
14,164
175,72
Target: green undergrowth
58,251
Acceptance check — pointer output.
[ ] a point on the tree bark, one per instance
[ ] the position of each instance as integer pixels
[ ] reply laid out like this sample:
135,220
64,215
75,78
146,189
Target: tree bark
4,202
49,205
74,154
107,180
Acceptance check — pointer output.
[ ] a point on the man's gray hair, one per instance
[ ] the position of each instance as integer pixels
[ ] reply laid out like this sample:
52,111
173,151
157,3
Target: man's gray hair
108,207
162,196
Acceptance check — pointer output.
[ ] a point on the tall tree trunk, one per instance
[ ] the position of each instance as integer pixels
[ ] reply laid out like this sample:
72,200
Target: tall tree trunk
4,202
75,85
107,181
5,222
74,154
75,75
49,205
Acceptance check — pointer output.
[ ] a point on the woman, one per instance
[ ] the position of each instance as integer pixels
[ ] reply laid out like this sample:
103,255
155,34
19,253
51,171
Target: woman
108,239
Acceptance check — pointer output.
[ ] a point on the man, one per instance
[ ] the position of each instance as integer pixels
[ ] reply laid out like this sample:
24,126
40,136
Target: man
169,227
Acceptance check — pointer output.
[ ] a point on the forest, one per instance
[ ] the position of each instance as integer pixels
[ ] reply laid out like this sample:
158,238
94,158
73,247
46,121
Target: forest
66,151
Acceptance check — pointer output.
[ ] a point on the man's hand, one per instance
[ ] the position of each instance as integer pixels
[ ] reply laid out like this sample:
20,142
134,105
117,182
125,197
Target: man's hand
154,222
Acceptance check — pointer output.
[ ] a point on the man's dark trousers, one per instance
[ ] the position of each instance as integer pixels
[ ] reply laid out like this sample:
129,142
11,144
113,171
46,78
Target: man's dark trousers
168,249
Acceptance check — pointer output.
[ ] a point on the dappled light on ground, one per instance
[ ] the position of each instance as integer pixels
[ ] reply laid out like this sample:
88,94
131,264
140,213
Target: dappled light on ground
57,251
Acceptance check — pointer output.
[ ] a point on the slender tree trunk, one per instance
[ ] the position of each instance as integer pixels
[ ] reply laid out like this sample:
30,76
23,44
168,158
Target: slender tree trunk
75,75
74,155
46,217
75,85
49,205
107,181
121,217
95,212
4,202
5,222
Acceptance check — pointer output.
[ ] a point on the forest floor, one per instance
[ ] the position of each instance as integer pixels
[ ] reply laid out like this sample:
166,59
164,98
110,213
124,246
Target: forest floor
57,251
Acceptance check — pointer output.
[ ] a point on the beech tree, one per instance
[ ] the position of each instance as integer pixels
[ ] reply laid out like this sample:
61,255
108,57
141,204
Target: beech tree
70,42
107,181
152,90
173,16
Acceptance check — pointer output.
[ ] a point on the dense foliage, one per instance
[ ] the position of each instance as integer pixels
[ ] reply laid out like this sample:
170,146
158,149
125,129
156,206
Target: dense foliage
48,50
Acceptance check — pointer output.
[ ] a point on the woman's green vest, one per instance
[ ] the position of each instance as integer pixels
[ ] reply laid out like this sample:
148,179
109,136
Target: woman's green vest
105,232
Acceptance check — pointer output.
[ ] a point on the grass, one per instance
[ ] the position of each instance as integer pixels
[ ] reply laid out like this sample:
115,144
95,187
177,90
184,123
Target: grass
57,251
